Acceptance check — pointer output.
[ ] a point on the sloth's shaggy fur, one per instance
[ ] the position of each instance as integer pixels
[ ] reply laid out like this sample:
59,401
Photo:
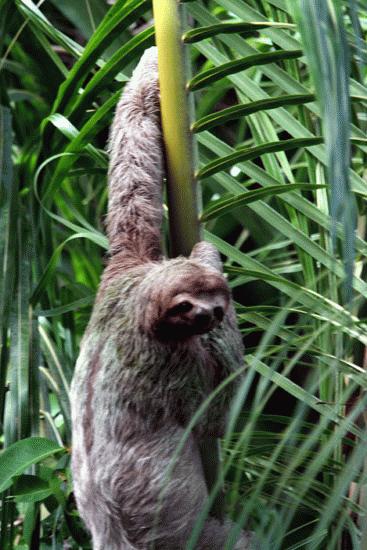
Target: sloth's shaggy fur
161,337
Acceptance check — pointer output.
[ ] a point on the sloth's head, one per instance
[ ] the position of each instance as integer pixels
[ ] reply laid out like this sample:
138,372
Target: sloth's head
191,297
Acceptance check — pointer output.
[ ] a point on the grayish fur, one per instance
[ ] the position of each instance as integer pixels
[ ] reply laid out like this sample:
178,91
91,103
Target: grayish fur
132,394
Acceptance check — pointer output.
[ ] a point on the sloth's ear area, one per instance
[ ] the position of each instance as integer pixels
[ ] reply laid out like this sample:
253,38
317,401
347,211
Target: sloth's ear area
207,255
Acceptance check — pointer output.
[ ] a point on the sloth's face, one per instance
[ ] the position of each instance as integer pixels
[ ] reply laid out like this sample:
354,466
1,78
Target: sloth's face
193,303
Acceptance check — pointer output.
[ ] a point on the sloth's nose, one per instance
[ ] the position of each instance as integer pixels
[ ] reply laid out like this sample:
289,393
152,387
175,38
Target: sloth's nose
203,317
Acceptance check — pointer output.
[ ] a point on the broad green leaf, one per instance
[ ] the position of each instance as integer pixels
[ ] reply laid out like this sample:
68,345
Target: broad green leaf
233,67
69,130
17,421
80,140
232,113
116,20
253,152
29,488
52,264
331,311
29,523
59,375
120,59
325,44
7,217
248,29
17,458
8,223
256,92
66,308
260,176
295,390
224,206
35,16
86,15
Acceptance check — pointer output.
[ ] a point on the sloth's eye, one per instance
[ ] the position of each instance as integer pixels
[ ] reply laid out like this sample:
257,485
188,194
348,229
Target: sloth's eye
182,307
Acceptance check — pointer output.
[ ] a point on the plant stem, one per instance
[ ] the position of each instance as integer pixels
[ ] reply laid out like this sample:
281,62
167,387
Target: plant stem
176,107
178,141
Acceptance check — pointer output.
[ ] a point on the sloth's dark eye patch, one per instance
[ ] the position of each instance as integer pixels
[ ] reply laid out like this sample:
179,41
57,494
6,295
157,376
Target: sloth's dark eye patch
182,307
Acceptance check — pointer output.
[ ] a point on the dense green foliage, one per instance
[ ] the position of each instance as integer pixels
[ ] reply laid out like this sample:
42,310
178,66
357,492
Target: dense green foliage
280,90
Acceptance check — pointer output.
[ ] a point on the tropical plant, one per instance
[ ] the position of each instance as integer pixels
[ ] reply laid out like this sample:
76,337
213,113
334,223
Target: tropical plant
278,137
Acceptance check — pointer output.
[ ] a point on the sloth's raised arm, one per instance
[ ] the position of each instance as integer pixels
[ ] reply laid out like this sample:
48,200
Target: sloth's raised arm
136,168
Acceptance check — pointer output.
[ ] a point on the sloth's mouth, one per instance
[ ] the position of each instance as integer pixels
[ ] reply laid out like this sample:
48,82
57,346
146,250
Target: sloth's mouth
182,330
201,326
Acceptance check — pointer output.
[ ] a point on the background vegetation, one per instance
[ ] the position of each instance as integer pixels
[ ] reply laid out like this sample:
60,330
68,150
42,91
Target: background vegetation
282,176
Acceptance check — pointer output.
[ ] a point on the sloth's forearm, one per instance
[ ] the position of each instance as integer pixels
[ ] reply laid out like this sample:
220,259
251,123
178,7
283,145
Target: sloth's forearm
136,168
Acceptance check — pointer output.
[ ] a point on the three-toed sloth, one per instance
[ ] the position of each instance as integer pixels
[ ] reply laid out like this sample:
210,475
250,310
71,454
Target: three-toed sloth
161,338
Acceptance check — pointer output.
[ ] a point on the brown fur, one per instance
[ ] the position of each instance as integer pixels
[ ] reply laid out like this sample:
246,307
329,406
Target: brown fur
88,415
162,336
